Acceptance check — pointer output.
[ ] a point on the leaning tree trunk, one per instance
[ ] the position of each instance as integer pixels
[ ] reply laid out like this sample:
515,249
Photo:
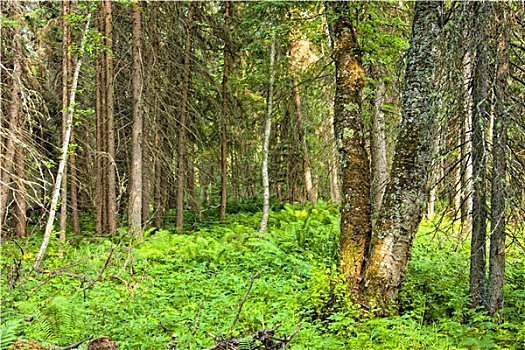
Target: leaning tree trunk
266,145
63,159
499,165
404,198
350,136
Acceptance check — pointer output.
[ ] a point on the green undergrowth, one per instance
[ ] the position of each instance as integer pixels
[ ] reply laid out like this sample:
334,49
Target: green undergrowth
191,284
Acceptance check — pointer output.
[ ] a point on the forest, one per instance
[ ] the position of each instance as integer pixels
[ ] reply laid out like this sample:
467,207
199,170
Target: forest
252,175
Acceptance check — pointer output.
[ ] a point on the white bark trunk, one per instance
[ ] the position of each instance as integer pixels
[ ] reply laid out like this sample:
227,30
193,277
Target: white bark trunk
63,159
267,130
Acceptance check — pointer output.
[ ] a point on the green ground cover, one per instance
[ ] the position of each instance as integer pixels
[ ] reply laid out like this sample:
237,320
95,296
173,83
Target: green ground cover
191,284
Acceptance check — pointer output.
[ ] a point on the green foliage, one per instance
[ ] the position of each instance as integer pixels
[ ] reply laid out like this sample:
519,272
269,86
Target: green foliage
8,333
191,284
54,321
436,286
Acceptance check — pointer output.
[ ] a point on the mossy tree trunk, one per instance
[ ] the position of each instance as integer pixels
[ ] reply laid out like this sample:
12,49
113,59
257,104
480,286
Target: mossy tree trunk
349,133
375,263
404,198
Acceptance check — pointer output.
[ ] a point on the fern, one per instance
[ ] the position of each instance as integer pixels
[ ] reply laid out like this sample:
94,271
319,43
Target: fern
8,333
56,322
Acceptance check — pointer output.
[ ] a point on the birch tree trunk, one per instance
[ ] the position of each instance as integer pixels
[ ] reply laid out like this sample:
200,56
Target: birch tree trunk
66,76
266,144
63,160
135,192
404,198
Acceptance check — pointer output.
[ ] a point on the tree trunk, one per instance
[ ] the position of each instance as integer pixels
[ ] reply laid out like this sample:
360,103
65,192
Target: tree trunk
185,87
349,133
479,204
14,116
159,198
66,76
499,170
101,149
404,198
147,172
63,159
135,192
310,191
225,74
20,192
333,167
110,115
378,154
266,145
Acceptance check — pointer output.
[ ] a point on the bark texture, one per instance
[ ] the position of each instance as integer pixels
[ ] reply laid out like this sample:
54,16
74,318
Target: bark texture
479,197
135,193
8,161
266,145
179,220
378,154
106,166
404,198
350,138
499,170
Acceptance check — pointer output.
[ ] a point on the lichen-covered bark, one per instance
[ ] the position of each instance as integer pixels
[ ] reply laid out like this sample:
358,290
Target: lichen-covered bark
479,200
348,128
378,152
404,198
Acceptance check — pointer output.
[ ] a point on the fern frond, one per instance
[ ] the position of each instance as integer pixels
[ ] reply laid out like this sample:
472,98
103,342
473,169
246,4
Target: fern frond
8,333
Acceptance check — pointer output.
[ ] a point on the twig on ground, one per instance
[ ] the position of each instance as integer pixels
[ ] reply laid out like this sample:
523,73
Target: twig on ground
76,345
244,300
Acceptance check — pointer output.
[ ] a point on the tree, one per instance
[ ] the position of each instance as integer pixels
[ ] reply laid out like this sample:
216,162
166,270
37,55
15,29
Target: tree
185,87
15,154
105,147
225,75
375,263
135,193
64,156
404,197
350,137
295,67
480,18
499,167
266,144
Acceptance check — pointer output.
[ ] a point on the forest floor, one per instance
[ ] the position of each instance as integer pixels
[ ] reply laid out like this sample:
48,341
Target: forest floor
195,283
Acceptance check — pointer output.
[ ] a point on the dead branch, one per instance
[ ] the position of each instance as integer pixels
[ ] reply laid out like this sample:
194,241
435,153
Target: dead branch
244,300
